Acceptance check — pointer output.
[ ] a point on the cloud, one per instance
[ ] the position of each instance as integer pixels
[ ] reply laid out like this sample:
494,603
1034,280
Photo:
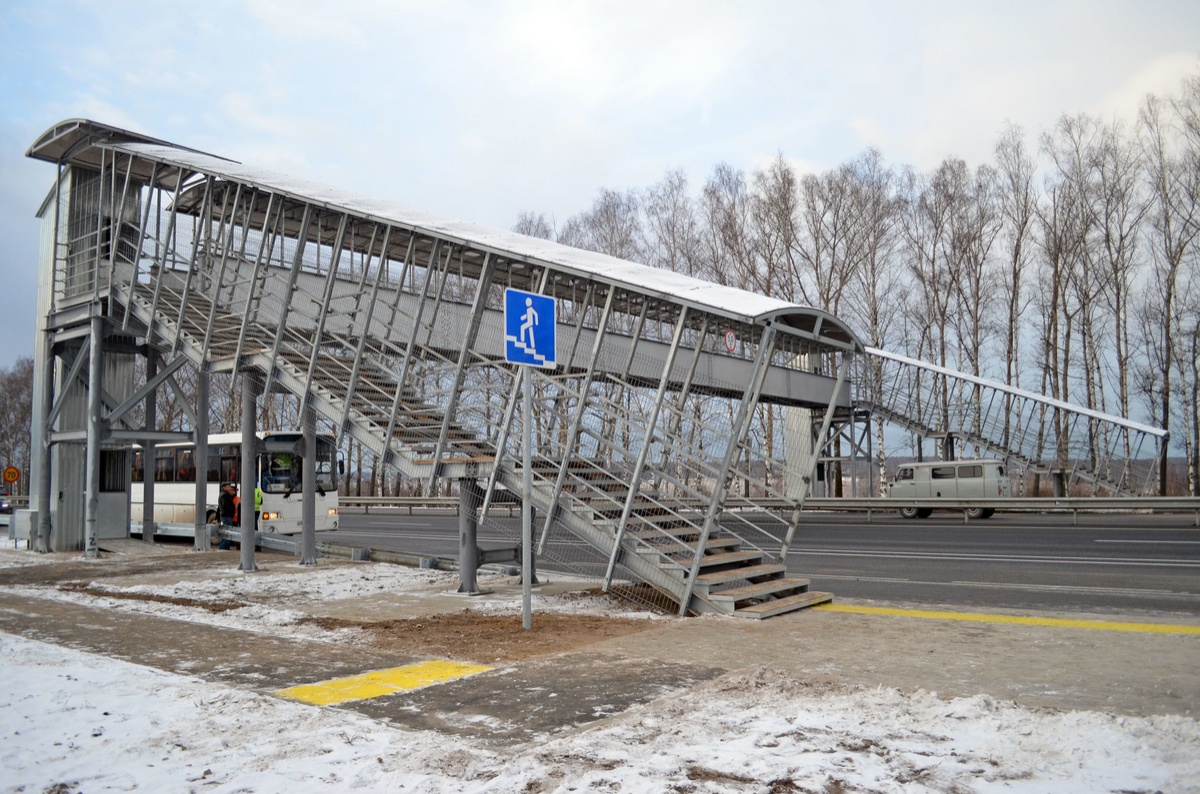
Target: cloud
1161,76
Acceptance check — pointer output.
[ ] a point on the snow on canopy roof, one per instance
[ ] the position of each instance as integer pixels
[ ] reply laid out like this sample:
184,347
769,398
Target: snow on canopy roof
81,142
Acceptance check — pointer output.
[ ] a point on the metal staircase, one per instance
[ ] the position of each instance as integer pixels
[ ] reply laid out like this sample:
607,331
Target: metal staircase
388,323
661,537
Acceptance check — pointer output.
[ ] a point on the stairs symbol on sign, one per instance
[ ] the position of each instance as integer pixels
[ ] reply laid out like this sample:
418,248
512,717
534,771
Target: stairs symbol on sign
529,328
526,349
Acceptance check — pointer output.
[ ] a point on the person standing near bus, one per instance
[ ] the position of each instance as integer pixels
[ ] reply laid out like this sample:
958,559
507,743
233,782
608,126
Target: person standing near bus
226,507
258,499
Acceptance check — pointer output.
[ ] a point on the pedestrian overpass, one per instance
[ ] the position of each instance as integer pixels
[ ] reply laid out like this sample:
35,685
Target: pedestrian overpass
678,408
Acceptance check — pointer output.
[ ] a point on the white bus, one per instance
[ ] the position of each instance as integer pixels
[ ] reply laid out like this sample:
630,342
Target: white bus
277,470
950,479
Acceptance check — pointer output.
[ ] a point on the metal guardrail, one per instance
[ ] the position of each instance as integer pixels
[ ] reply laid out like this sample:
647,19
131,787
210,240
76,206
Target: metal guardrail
411,503
1042,504
1073,505
503,560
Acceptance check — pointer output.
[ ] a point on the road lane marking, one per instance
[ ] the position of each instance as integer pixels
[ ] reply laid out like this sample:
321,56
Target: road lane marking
381,682
1051,588
814,551
1021,620
1156,542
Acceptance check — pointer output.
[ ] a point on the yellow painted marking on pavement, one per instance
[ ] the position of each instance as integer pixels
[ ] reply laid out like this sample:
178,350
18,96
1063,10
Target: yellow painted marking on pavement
380,682
979,617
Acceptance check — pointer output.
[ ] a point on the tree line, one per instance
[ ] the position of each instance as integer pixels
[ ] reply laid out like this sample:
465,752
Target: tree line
1068,266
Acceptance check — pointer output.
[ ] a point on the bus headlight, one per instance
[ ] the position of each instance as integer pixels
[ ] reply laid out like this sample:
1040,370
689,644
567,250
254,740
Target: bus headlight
333,511
270,517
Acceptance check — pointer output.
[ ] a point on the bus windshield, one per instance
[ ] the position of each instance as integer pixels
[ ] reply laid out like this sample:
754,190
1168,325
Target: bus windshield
281,466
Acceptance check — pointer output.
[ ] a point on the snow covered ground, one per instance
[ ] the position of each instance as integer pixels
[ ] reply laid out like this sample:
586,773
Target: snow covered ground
72,721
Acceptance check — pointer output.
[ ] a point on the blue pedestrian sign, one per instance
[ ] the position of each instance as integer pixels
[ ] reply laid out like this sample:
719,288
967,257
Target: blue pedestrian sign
529,324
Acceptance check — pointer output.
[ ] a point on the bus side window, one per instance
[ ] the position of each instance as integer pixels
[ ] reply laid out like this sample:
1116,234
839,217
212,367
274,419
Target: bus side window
139,467
187,466
214,467
164,465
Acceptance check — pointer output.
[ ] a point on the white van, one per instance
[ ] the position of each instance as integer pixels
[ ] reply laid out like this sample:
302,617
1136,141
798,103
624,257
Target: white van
950,479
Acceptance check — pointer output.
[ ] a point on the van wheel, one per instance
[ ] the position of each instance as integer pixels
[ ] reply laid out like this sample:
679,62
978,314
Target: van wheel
909,512
975,513
924,512
988,513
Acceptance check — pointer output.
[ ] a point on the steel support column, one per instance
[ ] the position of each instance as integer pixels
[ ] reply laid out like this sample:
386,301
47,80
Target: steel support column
266,244
148,449
289,295
448,416
204,218
819,444
160,262
568,453
94,430
151,194
364,330
644,452
401,385
737,433
469,498
308,488
44,467
200,540
226,250
248,476
685,390
323,311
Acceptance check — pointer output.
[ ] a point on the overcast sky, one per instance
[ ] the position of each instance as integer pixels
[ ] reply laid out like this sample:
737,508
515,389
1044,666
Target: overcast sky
480,110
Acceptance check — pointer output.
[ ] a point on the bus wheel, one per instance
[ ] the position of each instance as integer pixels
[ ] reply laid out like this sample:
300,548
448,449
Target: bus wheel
975,513
924,512
211,517
909,512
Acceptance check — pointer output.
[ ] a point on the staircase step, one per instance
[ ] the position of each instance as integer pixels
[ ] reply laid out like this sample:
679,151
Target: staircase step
734,574
718,546
731,558
779,606
759,589
689,549
680,539
664,532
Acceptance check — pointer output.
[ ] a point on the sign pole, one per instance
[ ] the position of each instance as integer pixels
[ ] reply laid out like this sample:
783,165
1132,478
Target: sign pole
529,341
526,505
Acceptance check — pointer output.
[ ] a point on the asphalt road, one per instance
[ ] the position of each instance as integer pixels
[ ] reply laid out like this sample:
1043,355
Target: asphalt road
1114,564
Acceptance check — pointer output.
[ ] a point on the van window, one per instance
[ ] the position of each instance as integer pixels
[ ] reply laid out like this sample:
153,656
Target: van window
970,471
942,472
999,471
904,473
